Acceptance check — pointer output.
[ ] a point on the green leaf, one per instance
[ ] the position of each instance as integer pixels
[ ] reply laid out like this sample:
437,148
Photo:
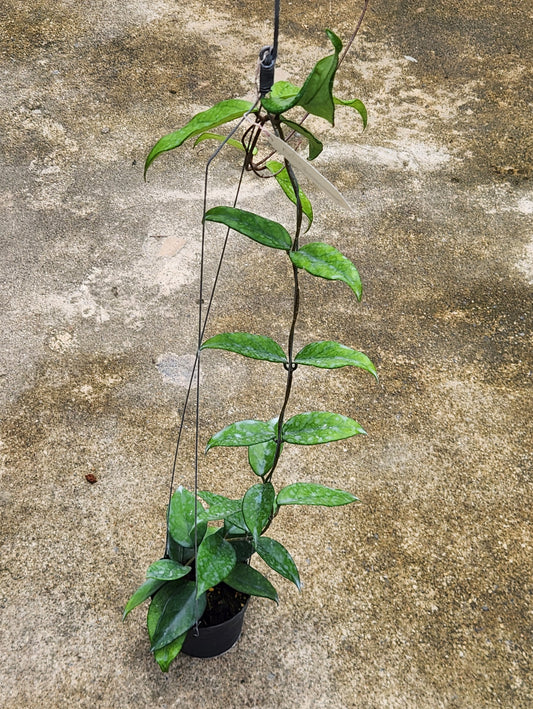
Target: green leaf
218,114
219,506
166,654
181,520
167,570
261,456
178,613
264,231
331,355
282,177
243,343
243,549
234,524
243,433
278,558
145,590
257,506
248,580
319,427
216,558
313,494
316,95
221,138
355,103
315,146
325,261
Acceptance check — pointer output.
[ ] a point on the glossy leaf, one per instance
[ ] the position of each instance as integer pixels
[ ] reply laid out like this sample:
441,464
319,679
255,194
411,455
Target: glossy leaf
178,614
278,558
257,506
358,105
261,456
327,262
315,146
145,590
243,549
282,177
313,494
216,558
243,433
166,654
264,231
181,519
218,114
243,343
319,427
331,355
248,580
167,570
316,95
234,524
219,506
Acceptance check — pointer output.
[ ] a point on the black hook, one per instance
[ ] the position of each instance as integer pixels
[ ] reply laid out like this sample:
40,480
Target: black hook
267,59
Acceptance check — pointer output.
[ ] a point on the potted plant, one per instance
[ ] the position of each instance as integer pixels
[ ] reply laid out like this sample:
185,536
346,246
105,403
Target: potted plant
205,577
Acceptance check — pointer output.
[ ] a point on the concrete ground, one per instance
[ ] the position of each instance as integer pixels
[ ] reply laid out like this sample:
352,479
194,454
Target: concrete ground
421,595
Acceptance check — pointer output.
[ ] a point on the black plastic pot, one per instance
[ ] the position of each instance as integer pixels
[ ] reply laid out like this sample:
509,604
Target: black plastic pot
214,640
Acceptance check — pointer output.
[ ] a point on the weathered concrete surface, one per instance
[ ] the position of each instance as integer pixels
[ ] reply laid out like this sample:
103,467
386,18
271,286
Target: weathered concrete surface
419,597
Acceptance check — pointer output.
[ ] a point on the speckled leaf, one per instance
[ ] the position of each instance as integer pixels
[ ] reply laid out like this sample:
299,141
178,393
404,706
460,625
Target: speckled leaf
248,345
246,579
331,355
181,519
220,507
216,558
327,262
264,231
257,505
278,558
167,570
313,494
319,427
243,433
218,114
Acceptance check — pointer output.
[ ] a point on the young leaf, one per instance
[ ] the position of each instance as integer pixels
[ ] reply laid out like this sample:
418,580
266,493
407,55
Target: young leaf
181,519
243,433
257,505
331,355
246,579
316,96
264,231
221,138
282,97
357,104
282,177
325,261
178,614
216,558
219,506
243,343
167,570
166,654
145,590
313,494
278,558
220,113
315,146
319,427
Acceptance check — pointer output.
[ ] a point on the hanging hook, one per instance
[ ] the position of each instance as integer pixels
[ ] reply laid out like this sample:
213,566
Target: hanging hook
267,63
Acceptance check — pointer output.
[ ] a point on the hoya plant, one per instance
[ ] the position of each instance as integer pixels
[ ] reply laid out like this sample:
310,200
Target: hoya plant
211,538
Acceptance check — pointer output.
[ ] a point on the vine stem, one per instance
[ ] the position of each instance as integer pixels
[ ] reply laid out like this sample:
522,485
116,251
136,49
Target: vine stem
290,365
